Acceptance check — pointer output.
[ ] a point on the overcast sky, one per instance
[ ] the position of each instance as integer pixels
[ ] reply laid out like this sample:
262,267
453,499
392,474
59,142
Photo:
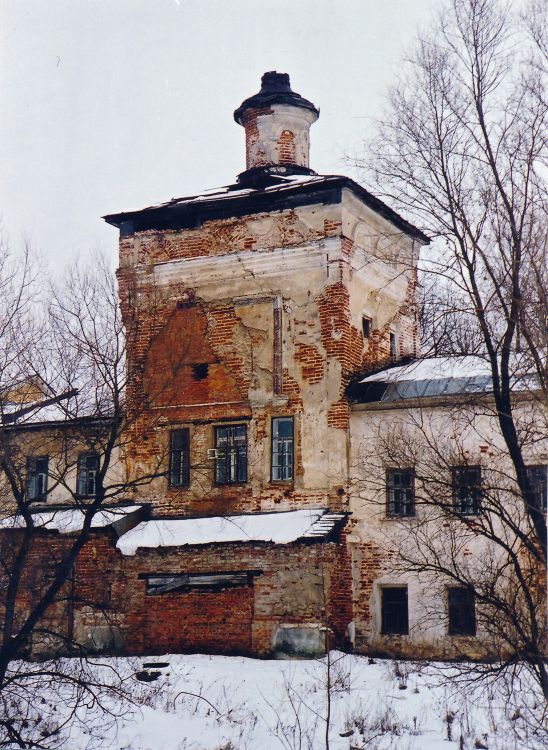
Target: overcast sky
110,105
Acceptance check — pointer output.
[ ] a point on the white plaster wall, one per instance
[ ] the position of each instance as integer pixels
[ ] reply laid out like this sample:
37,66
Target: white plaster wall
264,148
475,430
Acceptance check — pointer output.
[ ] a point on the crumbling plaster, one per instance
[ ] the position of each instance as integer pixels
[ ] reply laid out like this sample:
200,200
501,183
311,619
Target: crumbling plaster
236,271
264,135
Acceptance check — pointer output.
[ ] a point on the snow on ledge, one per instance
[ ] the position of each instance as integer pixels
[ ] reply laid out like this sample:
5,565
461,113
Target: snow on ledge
280,528
68,520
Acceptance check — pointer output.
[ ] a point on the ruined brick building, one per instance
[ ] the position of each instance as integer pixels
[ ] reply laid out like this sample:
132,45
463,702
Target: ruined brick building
268,295
251,309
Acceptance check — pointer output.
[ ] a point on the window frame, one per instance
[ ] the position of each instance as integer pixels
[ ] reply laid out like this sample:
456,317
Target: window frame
81,458
238,452
367,327
183,471
291,479
454,627
32,475
539,484
404,630
390,472
393,344
475,490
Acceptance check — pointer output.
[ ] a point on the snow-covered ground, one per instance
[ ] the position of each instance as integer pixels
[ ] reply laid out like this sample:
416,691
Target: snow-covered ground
200,702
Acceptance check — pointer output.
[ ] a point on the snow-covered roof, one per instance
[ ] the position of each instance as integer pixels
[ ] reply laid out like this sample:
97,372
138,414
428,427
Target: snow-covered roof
52,411
276,191
436,376
434,368
36,413
67,520
283,182
280,528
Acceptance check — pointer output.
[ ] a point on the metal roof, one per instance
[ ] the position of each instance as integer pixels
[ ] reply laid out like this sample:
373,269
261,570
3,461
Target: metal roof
433,377
267,189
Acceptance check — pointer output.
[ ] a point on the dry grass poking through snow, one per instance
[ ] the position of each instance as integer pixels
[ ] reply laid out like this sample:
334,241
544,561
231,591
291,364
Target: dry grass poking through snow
203,702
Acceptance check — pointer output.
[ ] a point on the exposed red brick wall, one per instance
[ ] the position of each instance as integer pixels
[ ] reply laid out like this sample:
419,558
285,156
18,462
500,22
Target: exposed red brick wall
213,622
88,585
342,342
373,561
249,121
298,583
182,345
312,362
405,325
286,147
340,605
244,619
221,237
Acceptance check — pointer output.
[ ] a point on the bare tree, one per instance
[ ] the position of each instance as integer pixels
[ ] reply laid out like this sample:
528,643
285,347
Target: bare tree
62,390
462,150
480,543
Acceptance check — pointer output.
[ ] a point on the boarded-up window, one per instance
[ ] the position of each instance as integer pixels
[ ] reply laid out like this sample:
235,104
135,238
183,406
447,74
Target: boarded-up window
178,582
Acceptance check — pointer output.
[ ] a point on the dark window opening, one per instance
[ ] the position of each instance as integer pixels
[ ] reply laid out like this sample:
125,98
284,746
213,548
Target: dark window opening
282,449
179,458
37,477
394,612
200,371
461,611
366,327
393,348
86,479
231,454
173,583
400,492
537,476
466,481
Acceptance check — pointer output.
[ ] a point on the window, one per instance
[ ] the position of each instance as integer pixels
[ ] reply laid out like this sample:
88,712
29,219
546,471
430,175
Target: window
37,477
400,492
168,583
200,371
466,482
282,449
179,458
461,611
231,457
86,480
537,476
393,347
394,615
366,327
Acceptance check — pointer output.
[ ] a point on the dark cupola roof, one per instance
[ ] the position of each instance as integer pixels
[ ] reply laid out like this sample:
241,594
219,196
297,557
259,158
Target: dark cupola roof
275,89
